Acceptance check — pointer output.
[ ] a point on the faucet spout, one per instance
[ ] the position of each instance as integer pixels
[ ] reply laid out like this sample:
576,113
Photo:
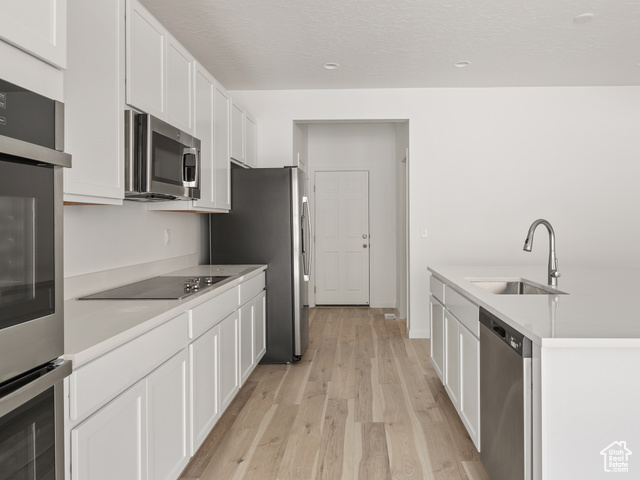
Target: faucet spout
553,272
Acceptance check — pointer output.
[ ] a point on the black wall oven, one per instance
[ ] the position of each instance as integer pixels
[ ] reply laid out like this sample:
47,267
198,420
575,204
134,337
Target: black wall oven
31,281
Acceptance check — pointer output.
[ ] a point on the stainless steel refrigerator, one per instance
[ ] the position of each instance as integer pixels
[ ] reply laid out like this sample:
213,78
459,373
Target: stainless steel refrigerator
269,224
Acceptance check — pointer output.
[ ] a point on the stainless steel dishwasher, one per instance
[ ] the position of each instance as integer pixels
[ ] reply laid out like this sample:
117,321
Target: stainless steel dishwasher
505,400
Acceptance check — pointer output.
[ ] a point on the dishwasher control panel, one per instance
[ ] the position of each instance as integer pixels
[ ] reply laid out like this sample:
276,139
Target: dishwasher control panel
509,335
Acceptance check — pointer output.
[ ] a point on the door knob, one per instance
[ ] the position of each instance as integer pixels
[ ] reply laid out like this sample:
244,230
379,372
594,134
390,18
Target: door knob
364,235
364,245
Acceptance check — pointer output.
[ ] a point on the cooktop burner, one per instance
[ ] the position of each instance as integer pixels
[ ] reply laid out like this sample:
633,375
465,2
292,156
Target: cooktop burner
158,288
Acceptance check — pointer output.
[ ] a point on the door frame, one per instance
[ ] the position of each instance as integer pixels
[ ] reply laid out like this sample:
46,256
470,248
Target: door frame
312,198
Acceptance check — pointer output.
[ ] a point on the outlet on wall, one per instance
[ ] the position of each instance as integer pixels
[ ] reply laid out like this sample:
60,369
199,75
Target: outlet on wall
167,236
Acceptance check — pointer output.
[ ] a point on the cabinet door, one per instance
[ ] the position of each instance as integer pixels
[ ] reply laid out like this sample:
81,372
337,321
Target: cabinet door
221,139
204,124
204,375
112,443
180,85
229,368
37,27
237,133
437,338
167,418
259,327
452,358
470,383
146,44
246,340
251,153
95,90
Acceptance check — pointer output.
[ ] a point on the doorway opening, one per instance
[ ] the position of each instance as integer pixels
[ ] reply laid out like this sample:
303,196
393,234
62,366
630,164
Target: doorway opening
380,149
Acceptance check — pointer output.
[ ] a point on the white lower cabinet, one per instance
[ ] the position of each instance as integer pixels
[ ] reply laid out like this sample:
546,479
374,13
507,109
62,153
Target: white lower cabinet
469,405
167,431
452,357
246,340
204,375
142,434
437,337
142,410
455,355
252,338
259,327
229,365
112,443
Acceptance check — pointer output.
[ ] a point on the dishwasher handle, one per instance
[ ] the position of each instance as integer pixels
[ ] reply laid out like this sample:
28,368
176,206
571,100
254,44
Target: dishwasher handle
498,330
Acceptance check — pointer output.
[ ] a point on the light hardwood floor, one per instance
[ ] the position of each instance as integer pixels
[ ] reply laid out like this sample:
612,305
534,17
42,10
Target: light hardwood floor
363,403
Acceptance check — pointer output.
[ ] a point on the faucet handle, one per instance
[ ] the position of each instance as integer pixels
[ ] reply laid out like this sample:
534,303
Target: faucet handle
554,272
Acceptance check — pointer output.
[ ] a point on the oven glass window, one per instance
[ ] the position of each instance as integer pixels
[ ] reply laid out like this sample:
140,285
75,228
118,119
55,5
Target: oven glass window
27,440
167,160
27,257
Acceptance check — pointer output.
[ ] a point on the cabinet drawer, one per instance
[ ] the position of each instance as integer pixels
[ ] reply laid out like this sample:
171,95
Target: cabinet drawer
208,314
437,288
463,309
251,288
97,382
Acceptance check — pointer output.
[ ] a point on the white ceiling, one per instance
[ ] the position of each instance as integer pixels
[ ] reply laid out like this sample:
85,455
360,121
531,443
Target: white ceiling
283,44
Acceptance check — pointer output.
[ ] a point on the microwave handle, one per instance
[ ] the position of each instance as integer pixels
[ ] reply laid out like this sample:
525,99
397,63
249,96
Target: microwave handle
185,154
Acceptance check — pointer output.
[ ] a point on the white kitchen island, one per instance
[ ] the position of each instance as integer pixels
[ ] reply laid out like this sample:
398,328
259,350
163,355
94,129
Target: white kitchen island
151,377
585,364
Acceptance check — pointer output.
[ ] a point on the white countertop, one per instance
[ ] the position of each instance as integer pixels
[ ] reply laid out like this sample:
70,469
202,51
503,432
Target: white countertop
94,327
599,310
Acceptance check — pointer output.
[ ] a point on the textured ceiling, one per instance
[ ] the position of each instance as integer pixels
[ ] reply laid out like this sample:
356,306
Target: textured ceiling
282,44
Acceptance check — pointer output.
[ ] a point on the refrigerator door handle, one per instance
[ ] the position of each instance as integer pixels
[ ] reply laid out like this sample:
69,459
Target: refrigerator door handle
306,238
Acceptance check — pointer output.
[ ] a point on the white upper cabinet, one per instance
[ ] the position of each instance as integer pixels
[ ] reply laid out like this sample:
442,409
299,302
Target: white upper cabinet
221,145
94,104
160,71
250,154
205,87
237,133
38,27
146,43
180,86
243,136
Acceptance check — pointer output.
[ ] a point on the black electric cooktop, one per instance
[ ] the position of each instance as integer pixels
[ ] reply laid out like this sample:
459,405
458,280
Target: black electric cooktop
158,288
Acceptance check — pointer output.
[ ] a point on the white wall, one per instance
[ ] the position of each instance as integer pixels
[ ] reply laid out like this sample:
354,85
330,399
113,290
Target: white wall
487,162
368,147
98,238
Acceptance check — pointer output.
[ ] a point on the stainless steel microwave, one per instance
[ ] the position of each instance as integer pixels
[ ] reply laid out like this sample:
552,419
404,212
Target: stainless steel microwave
161,162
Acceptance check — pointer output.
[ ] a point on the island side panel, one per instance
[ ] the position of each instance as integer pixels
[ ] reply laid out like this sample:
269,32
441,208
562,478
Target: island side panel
590,413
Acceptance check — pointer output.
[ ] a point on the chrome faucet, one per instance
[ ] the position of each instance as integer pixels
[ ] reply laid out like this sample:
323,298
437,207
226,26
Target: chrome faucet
553,260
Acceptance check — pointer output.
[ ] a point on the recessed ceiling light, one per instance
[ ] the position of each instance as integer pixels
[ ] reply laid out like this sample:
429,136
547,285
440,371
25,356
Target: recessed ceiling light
331,65
584,18
462,64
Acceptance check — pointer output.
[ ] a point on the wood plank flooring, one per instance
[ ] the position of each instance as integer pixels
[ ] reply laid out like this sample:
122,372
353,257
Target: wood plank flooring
363,403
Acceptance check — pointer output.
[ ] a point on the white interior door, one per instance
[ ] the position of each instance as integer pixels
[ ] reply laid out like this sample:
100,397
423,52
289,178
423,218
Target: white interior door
342,238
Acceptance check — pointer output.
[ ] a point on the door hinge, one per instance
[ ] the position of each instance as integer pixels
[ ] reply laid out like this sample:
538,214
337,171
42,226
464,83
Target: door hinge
314,289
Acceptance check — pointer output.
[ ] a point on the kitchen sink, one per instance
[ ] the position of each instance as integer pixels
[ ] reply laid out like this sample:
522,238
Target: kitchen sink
515,287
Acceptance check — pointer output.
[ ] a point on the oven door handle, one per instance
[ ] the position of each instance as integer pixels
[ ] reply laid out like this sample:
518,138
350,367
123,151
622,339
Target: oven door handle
20,396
